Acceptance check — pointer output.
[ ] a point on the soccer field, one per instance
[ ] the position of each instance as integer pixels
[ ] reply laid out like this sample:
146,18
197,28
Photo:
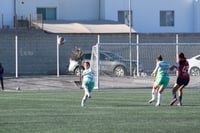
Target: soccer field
109,111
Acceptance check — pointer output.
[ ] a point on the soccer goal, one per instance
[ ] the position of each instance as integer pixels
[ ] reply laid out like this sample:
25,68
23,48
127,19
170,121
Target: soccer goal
111,62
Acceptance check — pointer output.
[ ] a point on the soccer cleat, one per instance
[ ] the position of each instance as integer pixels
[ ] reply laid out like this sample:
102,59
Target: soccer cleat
158,104
179,104
82,104
152,100
173,101
89,95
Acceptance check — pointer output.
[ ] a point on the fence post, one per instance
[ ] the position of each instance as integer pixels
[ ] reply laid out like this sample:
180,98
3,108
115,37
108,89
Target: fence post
130,38
137,47
16,56
177,49
58,71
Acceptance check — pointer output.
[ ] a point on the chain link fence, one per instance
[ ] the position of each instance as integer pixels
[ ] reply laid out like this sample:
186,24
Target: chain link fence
148,51
115,60
37,54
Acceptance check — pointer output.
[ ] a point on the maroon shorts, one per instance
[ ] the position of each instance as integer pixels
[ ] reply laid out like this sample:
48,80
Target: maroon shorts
182,81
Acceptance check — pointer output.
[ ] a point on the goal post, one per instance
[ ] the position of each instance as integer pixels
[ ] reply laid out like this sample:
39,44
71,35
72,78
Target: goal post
95,65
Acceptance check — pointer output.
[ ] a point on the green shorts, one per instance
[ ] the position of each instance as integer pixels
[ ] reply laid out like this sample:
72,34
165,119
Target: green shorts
162,81
89,84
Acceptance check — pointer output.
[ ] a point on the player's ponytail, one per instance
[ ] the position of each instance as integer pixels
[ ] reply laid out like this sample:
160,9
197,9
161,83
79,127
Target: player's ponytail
181,55
159,58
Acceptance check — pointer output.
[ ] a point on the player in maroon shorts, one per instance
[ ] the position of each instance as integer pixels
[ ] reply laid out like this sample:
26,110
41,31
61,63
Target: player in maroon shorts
182,80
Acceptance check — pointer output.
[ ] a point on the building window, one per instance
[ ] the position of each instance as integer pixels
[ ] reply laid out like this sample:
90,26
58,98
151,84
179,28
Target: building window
166,18
123,17
47,13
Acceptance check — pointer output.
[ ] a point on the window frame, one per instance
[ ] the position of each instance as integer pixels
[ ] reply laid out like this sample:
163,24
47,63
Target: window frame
123,17
167,18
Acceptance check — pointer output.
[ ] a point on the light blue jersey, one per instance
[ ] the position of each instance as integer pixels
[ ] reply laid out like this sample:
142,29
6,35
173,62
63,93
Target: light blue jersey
162,69
162,74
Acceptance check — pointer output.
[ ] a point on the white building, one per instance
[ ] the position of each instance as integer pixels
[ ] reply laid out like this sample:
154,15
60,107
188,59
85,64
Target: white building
157,15
59,9
6,13
147,15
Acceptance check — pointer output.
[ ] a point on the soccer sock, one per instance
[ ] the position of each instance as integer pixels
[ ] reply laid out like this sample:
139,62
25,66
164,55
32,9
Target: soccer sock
87,91
159,98
153,93
84,99
2,86
180,99
173,93
174,96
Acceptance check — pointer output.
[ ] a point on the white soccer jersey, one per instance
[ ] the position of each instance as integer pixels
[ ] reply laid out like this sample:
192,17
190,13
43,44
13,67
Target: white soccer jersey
88,75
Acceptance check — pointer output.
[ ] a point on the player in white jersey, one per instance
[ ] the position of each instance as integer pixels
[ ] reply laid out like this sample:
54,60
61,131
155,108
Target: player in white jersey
87,83
161,72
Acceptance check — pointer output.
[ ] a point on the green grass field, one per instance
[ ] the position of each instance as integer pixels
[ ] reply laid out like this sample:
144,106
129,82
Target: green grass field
109,111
